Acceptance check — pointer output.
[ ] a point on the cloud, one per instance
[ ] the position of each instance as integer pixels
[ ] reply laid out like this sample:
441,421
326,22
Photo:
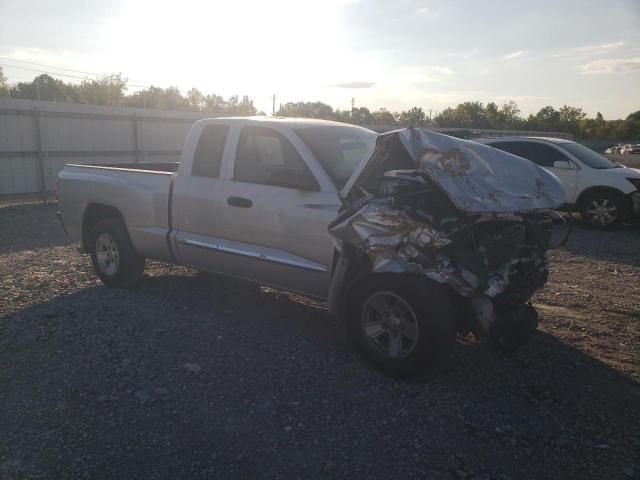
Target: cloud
600,47
354,84
515,54
586,50
518,98
438,70
422,11
611,65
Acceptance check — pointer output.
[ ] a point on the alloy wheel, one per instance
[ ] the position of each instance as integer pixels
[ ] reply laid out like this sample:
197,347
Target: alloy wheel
390,324
602,212
107,254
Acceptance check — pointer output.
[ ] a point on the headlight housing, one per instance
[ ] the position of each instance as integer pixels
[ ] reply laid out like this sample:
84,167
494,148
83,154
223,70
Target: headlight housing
635,182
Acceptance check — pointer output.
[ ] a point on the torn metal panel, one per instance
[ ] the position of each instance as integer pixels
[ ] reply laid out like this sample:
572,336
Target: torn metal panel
477,178
456,212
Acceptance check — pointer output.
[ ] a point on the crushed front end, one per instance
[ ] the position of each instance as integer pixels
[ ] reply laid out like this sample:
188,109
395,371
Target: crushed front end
457,213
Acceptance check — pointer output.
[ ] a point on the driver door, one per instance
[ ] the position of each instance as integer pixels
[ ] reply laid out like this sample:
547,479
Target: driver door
276,215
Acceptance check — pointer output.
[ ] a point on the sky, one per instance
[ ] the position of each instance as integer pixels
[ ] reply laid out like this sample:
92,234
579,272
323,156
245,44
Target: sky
382,53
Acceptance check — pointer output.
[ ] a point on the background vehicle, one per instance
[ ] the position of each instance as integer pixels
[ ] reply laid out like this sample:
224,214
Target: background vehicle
631,149
604,192
253,198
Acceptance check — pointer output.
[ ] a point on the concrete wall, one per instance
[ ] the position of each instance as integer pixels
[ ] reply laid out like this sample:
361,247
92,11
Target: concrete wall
38,138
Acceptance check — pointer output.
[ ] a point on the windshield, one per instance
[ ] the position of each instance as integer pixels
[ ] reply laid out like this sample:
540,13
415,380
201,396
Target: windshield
339,149
587,156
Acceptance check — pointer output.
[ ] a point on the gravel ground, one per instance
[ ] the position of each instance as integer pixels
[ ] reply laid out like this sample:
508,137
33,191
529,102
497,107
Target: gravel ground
193,377
630,160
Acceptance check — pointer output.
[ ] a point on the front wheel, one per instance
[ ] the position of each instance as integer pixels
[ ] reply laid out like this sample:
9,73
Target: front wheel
602,210
114,259
402,324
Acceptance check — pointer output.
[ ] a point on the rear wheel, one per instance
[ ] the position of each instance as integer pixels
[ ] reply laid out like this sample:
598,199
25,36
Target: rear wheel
402,324
602,209
114,259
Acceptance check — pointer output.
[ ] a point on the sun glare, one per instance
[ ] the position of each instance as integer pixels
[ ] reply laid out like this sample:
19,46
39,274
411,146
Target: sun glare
233,47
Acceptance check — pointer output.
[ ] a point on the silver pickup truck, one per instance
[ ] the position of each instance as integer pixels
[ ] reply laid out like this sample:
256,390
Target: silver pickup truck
410,236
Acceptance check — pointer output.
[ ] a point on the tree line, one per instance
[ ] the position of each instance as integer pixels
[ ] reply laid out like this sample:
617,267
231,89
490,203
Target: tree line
472,115
111,90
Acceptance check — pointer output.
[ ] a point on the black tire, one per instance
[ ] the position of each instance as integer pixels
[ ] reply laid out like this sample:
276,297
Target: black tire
435,315
513,328
126,266
611,203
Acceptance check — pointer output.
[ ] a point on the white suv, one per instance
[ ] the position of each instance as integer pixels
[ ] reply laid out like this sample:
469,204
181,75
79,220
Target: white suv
604,192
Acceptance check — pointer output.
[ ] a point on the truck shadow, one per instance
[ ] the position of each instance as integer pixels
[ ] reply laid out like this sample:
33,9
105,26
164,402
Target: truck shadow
102,355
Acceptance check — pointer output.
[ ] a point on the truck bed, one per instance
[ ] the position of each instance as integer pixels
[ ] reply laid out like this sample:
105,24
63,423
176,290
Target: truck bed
139,192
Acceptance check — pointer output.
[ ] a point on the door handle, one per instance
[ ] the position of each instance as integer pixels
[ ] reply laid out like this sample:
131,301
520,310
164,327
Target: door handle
239,202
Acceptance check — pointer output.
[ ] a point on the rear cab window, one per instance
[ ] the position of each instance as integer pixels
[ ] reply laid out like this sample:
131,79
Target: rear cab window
208,156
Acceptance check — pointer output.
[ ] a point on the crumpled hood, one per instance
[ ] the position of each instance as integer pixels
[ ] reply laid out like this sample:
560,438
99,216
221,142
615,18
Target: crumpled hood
477,178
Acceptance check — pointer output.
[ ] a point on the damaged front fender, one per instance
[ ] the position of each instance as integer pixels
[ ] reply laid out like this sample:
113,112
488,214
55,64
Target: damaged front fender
453,211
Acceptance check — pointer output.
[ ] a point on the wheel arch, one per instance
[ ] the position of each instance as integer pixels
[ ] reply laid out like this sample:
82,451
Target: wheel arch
348,267
94,213
591,190
625,201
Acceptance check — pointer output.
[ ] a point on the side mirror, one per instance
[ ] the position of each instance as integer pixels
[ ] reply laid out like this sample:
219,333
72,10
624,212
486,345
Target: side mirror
562,165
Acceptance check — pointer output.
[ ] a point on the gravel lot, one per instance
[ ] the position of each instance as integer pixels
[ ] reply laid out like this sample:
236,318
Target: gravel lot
630,160
193,377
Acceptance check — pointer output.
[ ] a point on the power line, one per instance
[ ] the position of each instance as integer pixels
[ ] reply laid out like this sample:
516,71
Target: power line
48,66
19,77
64,74
43,71
62,68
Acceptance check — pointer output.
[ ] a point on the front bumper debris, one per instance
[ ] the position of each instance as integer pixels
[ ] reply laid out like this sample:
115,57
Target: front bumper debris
454,219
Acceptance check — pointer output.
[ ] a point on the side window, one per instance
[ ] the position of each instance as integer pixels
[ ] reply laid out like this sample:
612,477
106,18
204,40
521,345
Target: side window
543,155
266,157
547,154
504,146
516,148
208,156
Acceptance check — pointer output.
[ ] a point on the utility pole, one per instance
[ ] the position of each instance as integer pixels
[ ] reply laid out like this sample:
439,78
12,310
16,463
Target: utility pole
353,104
273,106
